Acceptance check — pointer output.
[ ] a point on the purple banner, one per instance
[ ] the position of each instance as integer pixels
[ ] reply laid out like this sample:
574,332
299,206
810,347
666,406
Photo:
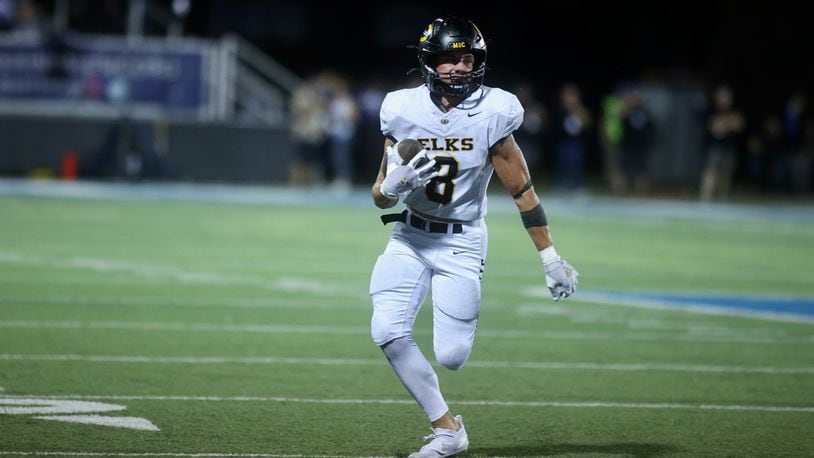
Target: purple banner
167,78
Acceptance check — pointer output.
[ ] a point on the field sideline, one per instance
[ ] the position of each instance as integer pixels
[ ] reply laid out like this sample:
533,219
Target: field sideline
192,320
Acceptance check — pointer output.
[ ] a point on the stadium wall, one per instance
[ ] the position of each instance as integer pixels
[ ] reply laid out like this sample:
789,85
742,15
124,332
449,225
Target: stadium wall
123,148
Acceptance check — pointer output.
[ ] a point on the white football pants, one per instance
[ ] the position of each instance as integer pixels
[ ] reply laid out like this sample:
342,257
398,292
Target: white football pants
414,262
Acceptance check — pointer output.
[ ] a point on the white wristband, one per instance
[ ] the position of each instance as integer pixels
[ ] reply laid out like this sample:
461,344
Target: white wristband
549,254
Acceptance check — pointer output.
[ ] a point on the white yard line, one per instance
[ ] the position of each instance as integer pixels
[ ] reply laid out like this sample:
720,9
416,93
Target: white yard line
134,301
496,403
618,316
548,365
177,326
180,275
365,331
173,454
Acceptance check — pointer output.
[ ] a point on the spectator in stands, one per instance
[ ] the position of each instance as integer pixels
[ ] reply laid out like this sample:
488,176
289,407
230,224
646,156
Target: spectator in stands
572,129
27,23
308,127
610,131
724,125
636,142
808,147
764,155
134,150
531,133
8,15
343,115
796,123
368,151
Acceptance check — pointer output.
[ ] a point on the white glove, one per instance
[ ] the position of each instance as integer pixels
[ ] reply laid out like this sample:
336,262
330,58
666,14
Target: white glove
560,277
393,158
405,178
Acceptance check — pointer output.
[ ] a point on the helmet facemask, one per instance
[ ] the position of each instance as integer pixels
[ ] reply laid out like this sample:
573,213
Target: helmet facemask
452,84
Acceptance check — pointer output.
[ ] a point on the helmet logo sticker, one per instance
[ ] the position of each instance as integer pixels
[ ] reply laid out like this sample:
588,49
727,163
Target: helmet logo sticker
426,34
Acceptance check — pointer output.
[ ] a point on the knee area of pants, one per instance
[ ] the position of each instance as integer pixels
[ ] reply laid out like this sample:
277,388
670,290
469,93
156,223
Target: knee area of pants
382,331
378,330
396,346
453,358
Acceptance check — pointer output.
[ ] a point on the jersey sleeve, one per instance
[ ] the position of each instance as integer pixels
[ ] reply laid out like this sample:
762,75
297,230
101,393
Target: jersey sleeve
386,115
506,120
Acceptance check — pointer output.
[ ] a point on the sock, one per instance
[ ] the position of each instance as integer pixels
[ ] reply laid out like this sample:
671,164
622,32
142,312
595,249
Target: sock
416,374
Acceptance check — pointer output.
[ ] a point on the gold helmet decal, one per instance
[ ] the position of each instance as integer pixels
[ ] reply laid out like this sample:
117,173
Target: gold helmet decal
426,34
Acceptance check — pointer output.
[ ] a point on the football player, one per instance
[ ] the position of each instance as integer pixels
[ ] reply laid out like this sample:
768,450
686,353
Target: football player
439,241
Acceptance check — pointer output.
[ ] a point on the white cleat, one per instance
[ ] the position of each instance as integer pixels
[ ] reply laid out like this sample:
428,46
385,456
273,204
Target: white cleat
444,442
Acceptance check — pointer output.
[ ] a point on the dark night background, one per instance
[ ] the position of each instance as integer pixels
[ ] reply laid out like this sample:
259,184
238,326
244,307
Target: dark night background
762,49
683,49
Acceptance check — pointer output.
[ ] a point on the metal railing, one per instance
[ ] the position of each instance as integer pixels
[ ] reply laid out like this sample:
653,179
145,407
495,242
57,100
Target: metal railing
254,88
241,84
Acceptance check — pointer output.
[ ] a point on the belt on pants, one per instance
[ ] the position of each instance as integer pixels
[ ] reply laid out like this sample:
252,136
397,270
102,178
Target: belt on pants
420,223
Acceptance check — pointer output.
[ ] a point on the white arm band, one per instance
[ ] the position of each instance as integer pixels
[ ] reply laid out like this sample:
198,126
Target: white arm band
549,254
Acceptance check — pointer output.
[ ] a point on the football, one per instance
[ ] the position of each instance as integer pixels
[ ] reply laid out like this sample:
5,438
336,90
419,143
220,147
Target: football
407,149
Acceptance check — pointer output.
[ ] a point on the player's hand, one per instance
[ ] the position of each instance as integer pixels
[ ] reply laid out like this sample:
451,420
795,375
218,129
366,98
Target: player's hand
406,178
424,168
393,155
560,277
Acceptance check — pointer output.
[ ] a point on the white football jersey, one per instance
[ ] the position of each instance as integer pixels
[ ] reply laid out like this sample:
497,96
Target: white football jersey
459,141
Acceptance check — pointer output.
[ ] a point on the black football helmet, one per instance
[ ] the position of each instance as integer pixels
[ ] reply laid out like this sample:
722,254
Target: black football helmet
452,34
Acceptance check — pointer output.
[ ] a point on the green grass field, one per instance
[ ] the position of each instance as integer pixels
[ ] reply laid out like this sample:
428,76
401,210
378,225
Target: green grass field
242,330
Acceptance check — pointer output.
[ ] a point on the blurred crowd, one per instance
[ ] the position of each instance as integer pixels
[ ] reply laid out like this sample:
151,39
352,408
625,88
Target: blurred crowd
573,143
569,143
324,122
